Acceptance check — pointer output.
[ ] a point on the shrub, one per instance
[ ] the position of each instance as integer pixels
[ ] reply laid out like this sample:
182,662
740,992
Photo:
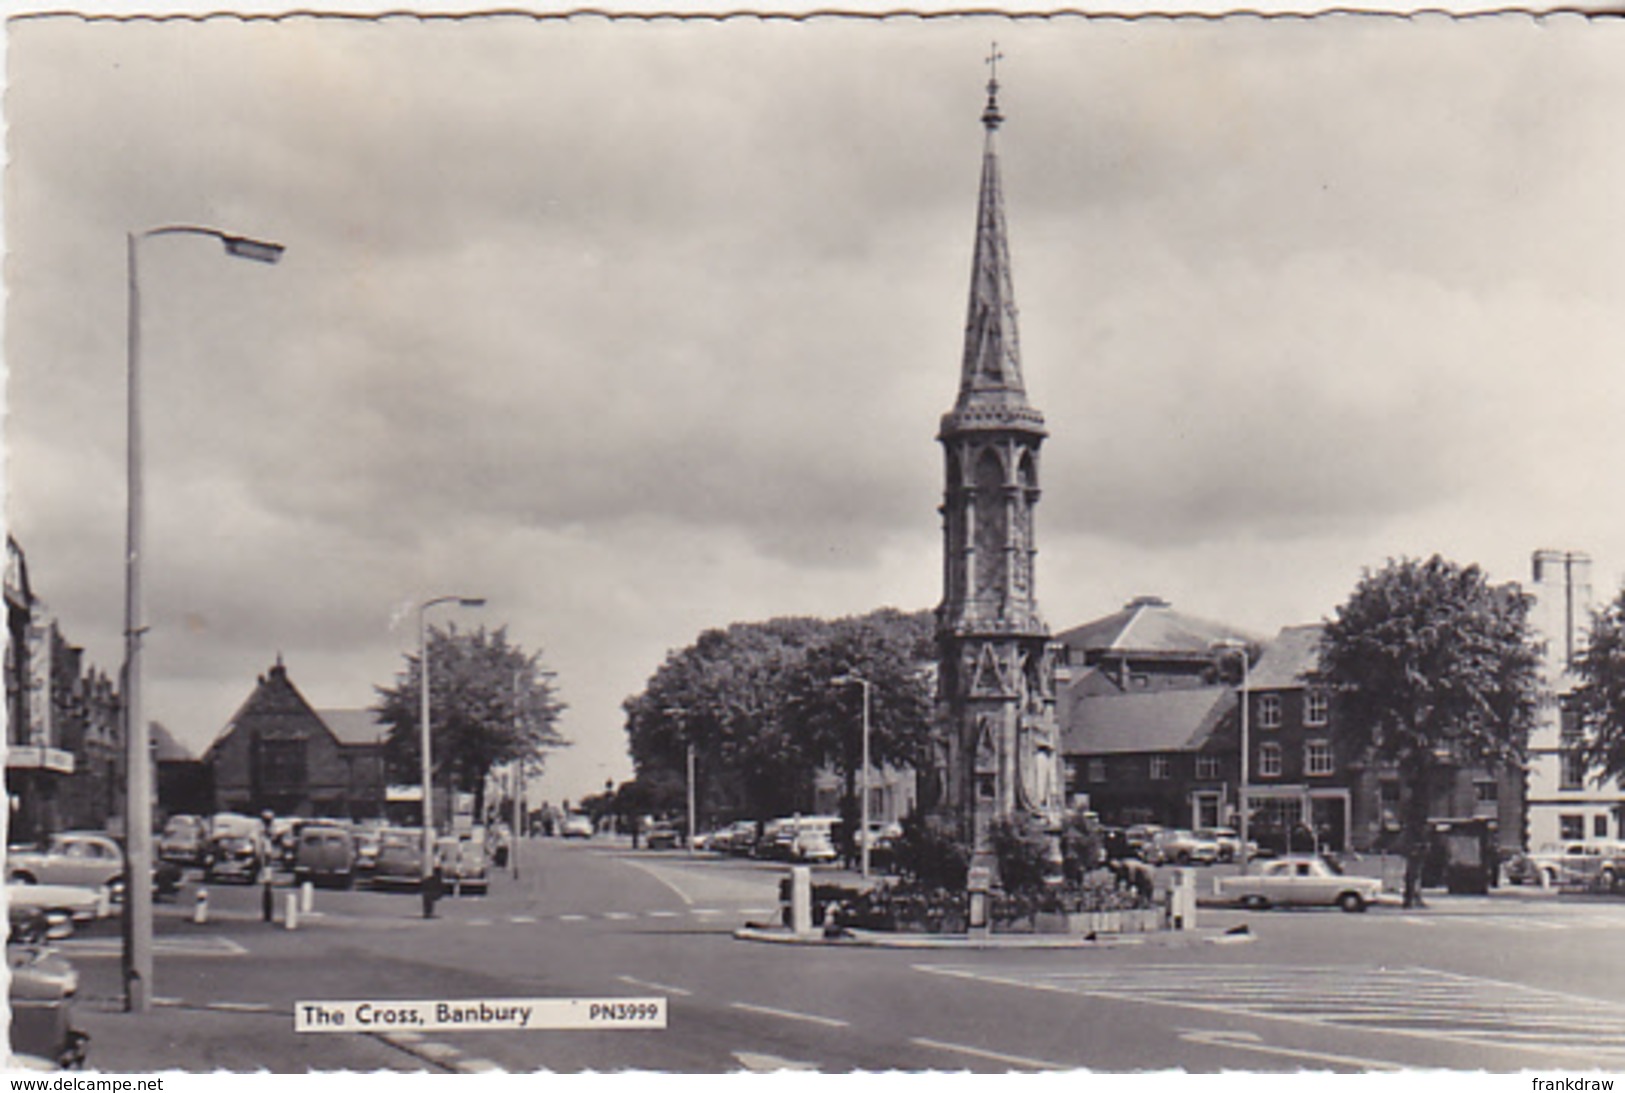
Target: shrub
930,854
1021,845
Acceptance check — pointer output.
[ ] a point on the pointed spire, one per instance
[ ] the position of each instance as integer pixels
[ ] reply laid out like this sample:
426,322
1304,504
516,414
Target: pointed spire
991,391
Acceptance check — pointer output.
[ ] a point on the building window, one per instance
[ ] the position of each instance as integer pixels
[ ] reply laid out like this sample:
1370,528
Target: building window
1161,768
1574,771
1571,827
1315,711
1599,826
1269,761
1269,711
282,763
1207,767
1317,757
1488,792
1097,770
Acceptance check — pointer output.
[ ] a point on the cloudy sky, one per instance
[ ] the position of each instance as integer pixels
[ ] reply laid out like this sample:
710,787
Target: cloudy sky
637,329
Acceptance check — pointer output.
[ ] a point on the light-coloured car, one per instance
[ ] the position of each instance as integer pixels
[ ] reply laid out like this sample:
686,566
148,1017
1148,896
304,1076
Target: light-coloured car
61,904
185,840
85,859
1180,846
576,825
1300,881
462,861
1577,863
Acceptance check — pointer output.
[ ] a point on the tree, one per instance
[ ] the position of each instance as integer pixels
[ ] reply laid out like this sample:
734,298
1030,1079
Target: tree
1599,699
723,695
1433,667
886,648
490,702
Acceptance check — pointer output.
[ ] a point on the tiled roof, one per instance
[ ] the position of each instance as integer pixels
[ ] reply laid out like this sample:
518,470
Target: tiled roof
1142,721
1288,659
1148,624
354,726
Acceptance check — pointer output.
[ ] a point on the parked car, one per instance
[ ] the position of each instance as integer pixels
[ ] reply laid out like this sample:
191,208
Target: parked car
62,905
1141,837
1578,863
1300,881
324,854
740,838
236,848
774,839
1180,846
185,840
400,858
1228,842
663,836
41,991
462,860
576,826
366,847
86,859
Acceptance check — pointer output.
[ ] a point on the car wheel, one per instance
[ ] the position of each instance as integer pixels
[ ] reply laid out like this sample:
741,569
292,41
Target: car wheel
23,877
1352,902
1255,903
1607,880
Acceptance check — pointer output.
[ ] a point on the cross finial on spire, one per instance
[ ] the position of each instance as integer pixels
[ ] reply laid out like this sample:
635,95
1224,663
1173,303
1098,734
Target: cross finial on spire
991,116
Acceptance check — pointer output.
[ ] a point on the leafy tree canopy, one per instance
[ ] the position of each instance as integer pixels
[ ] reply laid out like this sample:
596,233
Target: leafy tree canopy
490,702
1434,667
756,702
1599,699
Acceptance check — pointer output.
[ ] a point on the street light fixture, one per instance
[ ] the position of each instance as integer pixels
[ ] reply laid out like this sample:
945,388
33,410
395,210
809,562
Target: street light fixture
138,762
423,739
1243,791
863,838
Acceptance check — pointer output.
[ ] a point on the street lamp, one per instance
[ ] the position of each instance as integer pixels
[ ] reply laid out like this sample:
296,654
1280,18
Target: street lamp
138,764
423,740
1243,791
682,715
863,837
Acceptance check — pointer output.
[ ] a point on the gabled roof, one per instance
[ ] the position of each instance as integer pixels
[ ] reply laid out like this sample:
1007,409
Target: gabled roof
1288,660
352,727
165,748
1150,625
1142,721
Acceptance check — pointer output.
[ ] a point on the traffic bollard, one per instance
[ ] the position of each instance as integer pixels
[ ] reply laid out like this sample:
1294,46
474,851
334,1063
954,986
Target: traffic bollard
800,899
290,916
307,897
200,907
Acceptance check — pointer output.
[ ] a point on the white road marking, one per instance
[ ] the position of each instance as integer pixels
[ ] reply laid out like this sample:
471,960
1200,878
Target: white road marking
1251,1041
1413,1002
662,878
521,918
241,1007
991,1056
572,918
766,1064
758,910
92,947
647,985
829,1022
661,914
704,911
618,916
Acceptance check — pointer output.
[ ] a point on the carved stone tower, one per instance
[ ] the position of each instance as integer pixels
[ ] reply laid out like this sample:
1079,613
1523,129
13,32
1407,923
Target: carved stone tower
997,744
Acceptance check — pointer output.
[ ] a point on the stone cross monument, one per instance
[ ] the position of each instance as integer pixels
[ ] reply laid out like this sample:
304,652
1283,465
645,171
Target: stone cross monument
997,745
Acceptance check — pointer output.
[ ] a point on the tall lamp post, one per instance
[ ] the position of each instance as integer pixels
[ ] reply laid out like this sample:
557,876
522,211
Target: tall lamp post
138,761
682,715
1243,790
423,740
863,834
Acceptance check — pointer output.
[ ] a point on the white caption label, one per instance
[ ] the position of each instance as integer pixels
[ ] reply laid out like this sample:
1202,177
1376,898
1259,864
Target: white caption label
518,1014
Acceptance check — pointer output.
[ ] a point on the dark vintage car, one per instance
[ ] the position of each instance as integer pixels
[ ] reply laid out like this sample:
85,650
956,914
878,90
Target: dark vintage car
399,863
462,861
41,992
184,840
324,854
237,849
